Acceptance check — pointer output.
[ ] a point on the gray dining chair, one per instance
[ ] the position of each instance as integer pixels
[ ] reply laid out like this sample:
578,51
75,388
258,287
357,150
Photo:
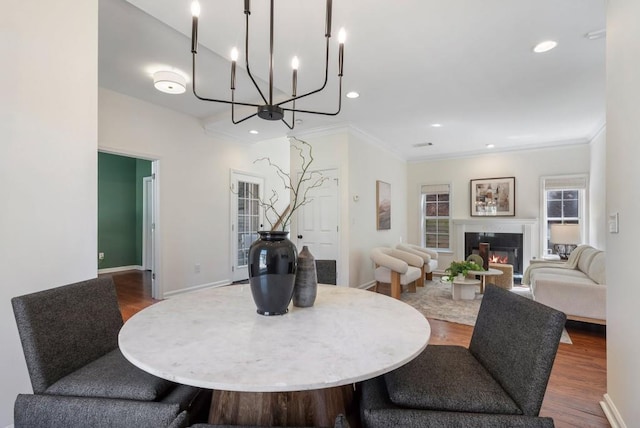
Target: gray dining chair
80,378
499,380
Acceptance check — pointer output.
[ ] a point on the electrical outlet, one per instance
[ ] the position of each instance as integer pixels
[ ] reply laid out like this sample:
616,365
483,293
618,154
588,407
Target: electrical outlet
100,256
196,268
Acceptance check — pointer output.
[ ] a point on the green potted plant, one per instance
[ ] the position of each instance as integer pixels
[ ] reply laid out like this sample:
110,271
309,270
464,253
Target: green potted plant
461,268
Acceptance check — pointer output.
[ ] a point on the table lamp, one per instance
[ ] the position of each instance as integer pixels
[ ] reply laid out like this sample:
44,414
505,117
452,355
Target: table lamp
565,238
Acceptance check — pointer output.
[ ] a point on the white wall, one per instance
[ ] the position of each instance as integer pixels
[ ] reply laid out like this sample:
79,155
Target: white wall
367,164
194,183
48,162
598,191
623,182
526,166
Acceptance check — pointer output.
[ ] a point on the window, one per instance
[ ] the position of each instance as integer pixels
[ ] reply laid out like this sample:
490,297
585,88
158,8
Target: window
564,202
436,209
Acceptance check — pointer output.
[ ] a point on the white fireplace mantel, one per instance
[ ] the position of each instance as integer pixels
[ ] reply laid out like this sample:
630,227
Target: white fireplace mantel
528,228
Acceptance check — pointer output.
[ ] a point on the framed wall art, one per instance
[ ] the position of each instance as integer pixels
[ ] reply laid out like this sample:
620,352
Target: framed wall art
491,197
383,205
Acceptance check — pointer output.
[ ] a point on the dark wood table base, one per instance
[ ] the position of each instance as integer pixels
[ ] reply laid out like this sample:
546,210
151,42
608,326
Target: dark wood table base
315,408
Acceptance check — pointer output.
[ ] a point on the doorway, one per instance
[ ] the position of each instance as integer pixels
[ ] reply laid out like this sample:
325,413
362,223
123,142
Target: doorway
127,215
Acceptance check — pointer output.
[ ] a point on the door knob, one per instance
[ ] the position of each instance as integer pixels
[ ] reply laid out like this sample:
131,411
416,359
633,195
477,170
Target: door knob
299,236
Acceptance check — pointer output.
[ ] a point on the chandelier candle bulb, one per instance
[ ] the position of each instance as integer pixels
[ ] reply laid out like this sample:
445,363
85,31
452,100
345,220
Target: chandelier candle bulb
342,35
234,59
295,64
327,32
195,11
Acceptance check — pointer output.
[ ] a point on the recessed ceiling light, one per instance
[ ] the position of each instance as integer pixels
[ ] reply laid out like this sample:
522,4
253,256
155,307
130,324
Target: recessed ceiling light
352,94
169,82
253,131
436,125
490,146
545,46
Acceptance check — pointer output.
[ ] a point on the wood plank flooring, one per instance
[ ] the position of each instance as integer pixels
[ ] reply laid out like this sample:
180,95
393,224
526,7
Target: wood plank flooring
578,379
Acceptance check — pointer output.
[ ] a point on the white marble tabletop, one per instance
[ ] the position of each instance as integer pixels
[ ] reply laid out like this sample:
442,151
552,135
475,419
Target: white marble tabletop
215,339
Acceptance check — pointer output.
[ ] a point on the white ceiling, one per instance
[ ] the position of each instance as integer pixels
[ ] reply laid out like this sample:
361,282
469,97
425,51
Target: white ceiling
465,64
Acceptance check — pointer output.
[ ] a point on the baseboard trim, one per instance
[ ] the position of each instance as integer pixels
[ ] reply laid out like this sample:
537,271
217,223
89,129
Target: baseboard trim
119,269
216,284
611,412
367,285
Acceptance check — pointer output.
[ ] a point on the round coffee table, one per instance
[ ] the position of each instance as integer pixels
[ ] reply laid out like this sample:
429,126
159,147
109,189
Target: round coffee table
464,289
483,276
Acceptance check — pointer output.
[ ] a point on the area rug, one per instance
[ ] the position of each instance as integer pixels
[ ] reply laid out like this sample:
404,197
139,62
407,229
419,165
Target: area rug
434,301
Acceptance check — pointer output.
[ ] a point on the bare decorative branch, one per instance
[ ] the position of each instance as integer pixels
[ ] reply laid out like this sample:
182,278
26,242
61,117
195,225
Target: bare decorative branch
299,189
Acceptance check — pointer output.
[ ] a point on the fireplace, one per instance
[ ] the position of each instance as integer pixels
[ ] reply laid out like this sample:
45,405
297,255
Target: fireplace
504,248
526,228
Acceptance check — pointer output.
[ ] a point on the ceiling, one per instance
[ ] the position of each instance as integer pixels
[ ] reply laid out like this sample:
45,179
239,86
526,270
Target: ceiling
466,65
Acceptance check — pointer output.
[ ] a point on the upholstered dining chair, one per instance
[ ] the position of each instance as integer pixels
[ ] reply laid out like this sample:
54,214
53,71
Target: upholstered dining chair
500,380
80,378
396,268
430,258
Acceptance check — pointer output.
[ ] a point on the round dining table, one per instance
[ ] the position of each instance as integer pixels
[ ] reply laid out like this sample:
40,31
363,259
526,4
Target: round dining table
296,369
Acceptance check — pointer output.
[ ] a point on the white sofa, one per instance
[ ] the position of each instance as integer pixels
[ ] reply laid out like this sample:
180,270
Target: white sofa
575,287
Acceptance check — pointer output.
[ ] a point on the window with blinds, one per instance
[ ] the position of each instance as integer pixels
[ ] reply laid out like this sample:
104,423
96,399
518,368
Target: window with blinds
564,202
436,211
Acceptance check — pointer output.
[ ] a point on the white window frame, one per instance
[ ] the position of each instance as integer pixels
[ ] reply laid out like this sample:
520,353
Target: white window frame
424,190
579,182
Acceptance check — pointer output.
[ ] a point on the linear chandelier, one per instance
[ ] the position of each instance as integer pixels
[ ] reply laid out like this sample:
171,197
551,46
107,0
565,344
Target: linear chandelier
269,110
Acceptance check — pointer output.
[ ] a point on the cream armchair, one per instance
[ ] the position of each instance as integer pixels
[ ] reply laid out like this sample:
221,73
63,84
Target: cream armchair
397,268
430,258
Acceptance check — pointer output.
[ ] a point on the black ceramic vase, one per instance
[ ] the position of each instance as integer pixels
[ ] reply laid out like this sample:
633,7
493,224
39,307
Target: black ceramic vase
306,286
272,272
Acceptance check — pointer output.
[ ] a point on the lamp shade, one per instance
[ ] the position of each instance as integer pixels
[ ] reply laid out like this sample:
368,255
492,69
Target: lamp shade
568,234
169,82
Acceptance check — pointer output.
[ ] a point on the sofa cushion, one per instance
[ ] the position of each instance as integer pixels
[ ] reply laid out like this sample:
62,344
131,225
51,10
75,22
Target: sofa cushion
448,378
586,257
569,273
597,271
111,376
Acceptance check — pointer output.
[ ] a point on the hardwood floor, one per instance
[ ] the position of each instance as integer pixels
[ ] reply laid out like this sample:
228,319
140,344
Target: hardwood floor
134,291
578,380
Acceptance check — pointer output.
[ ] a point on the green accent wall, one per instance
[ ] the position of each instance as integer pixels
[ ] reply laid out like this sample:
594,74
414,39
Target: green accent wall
120,184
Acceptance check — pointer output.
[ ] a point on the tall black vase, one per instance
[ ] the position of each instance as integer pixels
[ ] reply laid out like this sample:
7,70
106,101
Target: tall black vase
272,272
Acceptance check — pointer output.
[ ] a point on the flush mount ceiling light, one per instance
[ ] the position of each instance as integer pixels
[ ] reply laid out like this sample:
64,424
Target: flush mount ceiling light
169,82
268,109
545,46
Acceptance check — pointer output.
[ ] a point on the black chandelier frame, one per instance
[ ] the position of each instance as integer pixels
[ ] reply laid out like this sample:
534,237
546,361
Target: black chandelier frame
269,110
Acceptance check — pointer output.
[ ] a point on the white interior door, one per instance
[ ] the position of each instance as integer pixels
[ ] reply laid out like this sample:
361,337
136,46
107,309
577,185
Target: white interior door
317,226
147,224
246,220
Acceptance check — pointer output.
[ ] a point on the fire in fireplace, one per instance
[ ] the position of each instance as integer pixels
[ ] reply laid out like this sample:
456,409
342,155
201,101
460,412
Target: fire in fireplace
505,248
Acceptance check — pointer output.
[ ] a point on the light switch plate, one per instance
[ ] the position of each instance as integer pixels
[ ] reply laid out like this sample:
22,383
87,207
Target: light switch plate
613,222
